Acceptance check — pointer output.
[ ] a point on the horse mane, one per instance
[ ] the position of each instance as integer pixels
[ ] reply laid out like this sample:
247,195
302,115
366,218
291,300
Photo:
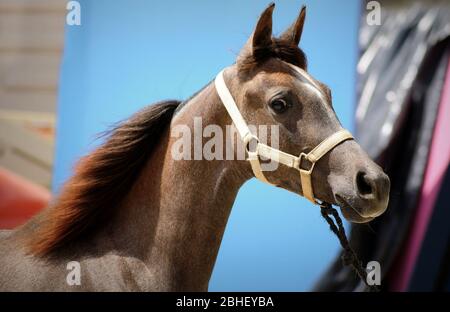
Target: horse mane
101,180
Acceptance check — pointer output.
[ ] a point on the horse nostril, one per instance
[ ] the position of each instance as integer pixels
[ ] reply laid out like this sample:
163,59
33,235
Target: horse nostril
364,184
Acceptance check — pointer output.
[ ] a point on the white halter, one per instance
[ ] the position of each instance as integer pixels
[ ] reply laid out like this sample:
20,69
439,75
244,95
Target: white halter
274,154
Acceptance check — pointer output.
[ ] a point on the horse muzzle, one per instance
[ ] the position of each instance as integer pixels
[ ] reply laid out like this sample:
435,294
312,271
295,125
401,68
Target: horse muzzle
369,198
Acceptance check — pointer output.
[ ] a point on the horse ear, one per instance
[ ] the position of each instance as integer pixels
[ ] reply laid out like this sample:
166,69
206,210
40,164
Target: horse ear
262,36
294,32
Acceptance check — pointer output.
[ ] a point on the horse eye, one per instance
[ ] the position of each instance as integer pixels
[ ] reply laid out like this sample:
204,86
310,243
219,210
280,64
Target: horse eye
278,106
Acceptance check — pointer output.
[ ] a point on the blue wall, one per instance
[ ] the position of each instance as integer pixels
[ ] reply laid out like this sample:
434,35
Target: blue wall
127,54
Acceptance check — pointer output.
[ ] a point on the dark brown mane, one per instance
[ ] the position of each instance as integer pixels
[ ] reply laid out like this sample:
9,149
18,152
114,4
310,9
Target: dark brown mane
284,50
101,180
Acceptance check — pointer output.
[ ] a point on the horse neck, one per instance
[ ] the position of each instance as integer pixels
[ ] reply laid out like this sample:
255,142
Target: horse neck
176,213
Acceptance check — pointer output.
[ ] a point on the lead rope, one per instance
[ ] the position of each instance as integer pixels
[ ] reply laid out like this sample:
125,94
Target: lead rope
349,257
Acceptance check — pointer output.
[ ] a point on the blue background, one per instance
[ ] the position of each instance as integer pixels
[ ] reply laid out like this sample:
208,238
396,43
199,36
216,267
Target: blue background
127,54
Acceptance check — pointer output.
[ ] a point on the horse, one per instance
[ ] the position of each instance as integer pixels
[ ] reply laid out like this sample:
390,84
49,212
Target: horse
134,218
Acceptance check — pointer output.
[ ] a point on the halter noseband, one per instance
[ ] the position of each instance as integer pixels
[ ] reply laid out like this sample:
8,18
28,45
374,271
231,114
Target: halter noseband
274,154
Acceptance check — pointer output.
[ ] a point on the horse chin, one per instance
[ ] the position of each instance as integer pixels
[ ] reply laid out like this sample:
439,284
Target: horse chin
352,216
350,213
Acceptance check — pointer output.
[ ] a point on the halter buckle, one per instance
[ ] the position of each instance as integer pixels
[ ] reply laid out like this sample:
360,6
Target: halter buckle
247,140
302,157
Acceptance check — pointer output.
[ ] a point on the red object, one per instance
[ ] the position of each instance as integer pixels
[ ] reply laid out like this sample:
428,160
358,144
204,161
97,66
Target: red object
20,199
438,162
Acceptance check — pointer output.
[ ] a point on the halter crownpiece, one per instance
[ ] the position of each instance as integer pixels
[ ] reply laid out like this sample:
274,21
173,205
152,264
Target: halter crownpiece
263,150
